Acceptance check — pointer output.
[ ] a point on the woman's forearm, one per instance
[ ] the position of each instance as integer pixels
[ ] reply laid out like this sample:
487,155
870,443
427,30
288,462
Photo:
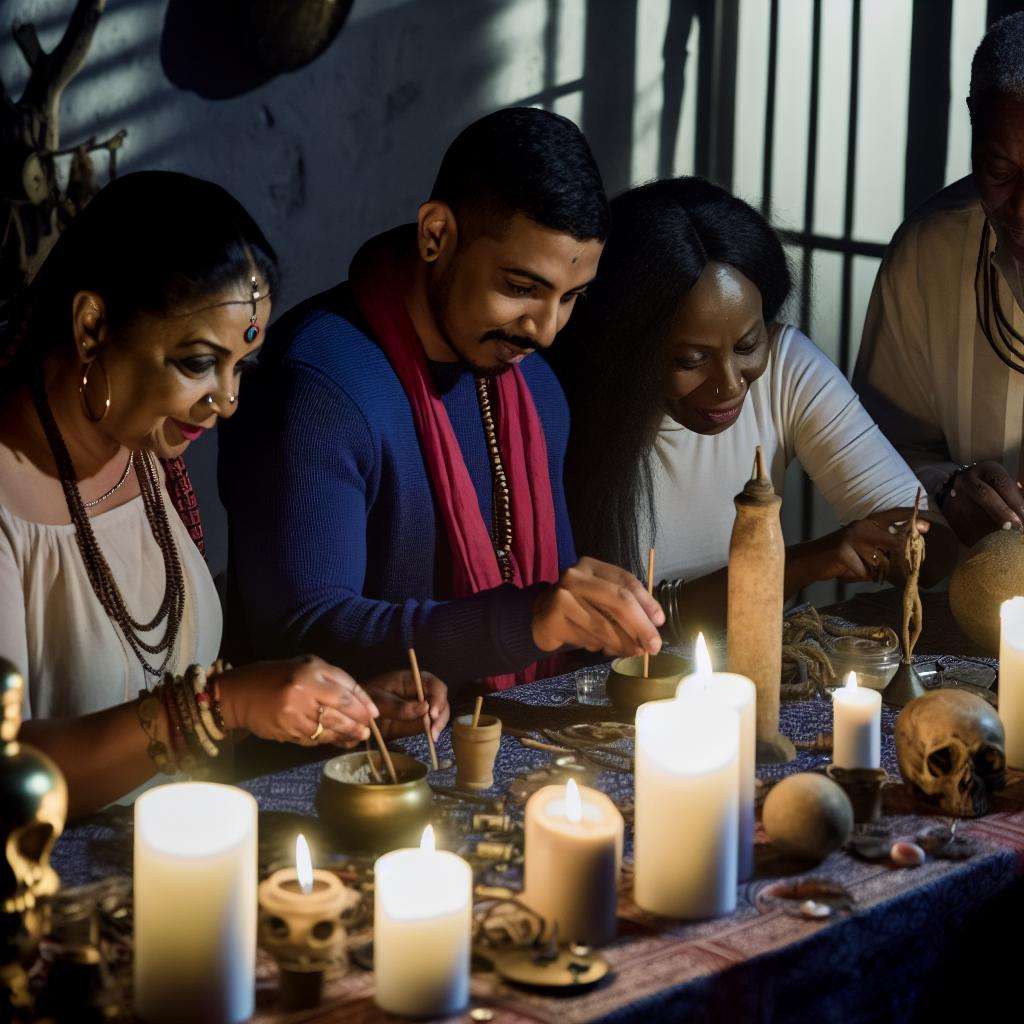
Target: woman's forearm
103,755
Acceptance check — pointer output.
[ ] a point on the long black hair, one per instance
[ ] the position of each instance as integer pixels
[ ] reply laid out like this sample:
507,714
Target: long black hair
612,356
147,242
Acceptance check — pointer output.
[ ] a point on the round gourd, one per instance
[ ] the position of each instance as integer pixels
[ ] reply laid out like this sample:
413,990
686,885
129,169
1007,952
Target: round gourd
992,572
807,816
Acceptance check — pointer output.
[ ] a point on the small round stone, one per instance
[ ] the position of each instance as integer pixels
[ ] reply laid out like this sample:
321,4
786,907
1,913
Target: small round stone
907,855
481,1013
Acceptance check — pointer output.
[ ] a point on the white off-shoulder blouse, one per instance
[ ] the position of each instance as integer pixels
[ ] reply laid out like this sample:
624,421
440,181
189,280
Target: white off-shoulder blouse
54,629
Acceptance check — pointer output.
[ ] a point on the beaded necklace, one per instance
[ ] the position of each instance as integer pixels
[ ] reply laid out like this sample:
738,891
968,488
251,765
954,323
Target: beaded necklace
501,514
103,584
1010,344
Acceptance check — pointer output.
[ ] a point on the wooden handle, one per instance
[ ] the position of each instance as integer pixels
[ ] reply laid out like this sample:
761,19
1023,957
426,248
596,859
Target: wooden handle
418,680
477,708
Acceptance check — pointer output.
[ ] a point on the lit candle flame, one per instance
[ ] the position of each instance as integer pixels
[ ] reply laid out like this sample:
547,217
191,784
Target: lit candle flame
702,658
851,681
428,842
303,864
573,804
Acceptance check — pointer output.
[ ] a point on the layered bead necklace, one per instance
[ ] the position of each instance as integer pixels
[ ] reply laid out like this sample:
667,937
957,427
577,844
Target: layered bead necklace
501,514
100,577
1007,343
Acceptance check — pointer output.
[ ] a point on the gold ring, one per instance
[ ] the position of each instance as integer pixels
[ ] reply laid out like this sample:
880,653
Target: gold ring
319,724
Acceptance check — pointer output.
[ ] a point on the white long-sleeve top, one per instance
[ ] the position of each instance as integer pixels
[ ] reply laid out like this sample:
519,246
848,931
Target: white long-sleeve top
801,407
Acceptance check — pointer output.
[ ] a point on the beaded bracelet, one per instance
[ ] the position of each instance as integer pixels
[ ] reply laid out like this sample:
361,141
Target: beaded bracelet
190,694
204,700
190,718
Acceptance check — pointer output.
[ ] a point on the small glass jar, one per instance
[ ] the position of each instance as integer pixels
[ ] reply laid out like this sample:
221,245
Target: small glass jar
590,684
874,661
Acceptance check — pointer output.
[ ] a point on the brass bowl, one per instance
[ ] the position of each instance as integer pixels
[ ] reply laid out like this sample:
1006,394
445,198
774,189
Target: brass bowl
370,817
627,689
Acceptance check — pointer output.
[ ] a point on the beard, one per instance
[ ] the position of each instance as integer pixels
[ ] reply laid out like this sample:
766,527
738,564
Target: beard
440,302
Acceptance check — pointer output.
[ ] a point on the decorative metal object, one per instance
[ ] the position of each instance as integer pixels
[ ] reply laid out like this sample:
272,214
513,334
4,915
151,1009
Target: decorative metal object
906,684
561,969
33,810
627,689
864,788
365,817
951,749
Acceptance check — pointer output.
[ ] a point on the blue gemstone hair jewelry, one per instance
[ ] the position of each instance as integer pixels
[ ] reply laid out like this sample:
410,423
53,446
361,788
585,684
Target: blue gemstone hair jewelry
253,330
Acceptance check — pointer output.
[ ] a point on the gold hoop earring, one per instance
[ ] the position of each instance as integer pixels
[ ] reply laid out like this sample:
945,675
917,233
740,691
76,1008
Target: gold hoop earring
89,414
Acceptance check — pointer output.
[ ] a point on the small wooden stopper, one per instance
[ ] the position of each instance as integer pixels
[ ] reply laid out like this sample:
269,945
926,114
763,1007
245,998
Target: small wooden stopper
650,590
477,708
418,680
388,763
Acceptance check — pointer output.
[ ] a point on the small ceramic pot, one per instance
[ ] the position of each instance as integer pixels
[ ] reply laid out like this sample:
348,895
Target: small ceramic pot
627,689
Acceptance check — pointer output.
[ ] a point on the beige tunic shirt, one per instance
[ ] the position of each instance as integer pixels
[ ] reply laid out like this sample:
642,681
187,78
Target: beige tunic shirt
53,628
801,407
926,372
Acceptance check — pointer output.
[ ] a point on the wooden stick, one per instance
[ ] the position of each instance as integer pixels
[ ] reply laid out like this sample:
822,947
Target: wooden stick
650,590
418,680
551,748
388,763
369,761
476,712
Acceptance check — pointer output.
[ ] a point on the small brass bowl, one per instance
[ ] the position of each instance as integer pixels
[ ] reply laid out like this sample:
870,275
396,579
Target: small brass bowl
627,689
370,817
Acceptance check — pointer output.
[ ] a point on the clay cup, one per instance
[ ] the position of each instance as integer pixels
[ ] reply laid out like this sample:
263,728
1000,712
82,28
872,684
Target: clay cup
475,750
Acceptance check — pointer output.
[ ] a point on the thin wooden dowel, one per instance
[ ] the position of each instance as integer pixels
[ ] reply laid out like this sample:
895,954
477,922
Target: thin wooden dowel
370,762
418,680
478,707
551,748
388,763
650,590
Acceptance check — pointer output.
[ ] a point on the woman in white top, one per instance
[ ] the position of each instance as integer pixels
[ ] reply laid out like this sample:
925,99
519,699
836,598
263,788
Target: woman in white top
676,369
128,345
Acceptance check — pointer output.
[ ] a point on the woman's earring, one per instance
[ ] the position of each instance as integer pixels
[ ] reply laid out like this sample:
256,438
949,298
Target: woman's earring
82,388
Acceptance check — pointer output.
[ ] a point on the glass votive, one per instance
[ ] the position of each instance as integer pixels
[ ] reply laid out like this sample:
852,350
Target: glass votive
590,684
875,662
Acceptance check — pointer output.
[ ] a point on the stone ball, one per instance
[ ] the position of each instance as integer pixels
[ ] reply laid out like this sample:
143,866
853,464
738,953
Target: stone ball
807,816
992,572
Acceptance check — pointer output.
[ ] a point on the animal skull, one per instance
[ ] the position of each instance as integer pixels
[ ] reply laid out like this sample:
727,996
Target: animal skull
951,748
309,940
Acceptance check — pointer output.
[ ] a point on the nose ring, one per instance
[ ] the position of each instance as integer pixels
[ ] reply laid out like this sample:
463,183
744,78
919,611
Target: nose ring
232,399
209,400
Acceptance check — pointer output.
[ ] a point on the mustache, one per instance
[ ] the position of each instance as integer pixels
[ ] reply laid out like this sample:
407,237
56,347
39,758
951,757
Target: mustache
497,335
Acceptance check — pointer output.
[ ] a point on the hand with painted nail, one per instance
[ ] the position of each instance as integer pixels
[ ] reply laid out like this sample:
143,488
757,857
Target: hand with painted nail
982,499
599,607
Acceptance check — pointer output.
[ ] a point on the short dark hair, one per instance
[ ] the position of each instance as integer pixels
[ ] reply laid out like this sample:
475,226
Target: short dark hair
998,63
529,161
146,242
612,354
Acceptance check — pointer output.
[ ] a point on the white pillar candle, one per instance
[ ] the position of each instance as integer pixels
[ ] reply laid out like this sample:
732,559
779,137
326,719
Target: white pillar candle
421,936
195,904
573,851
1011,678
856,725
687,806
740,694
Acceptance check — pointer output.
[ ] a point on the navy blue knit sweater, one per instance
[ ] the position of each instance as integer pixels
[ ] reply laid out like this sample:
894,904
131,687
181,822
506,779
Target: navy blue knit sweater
334,545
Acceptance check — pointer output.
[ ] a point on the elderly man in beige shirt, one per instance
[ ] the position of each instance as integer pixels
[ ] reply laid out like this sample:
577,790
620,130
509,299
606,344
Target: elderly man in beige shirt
941,365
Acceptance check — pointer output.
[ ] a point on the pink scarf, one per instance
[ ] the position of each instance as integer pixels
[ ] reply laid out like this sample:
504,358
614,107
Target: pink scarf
379,286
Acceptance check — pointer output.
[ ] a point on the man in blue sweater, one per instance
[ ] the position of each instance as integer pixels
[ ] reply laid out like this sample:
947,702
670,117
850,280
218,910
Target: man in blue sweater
393,478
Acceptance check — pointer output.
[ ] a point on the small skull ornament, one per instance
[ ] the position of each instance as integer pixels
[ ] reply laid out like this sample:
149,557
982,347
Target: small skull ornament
951,748
33,806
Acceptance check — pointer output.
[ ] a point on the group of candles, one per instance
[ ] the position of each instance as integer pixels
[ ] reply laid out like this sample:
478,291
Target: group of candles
195,861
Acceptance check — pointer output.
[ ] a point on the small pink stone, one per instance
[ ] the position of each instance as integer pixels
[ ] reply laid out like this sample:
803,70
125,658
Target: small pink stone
907,855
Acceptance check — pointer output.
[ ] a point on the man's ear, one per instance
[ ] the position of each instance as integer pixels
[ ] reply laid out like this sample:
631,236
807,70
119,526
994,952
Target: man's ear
436,230
89,325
